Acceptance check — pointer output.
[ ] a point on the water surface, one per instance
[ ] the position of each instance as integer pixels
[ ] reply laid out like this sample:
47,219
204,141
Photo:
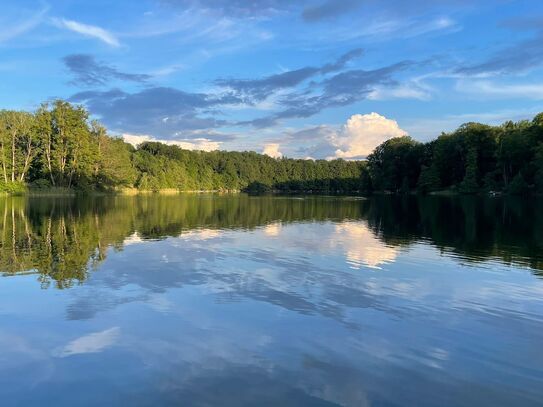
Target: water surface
236,300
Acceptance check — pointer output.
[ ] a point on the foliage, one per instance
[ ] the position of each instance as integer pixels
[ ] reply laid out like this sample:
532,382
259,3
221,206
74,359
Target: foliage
13,188
469,184
58,147
472,159
428,179
394,163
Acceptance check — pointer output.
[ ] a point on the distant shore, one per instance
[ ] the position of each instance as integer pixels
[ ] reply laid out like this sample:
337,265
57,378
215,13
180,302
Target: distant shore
125,191
72,192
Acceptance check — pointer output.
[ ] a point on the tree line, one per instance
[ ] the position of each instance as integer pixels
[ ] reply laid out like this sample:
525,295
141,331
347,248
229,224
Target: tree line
474,158
57,146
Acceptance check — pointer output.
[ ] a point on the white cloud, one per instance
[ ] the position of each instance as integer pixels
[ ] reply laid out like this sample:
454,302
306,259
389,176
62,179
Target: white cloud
438,24
487,88
385,29
92,343
361,246
407,91
19,27
134,238
200,234
272,149
202,144
356,139
88,31
273,229
428,128
362,133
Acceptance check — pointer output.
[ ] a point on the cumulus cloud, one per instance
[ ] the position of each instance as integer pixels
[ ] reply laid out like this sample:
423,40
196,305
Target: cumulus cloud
362,133
361,246
88,31
356,139
200,144
272,150
89,72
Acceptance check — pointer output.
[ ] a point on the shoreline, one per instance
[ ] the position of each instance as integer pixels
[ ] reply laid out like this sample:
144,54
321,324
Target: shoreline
65,192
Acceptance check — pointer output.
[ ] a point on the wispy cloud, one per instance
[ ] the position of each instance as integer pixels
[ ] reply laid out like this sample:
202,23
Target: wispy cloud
329,9
414,88
381,29
518,57
88,30
254,90
16,27
484,89
90,72
164,112
235,8
425,128
342,89
170,113
92,343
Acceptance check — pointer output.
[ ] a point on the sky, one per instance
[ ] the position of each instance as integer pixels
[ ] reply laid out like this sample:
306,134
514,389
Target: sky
303,79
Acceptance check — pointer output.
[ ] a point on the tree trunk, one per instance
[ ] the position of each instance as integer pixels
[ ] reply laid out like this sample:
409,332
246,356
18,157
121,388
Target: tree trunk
48,158
4,162
28,157
13,156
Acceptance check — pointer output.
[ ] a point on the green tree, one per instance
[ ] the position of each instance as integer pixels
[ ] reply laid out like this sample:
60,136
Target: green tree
73,151
428,179
518,186
469,184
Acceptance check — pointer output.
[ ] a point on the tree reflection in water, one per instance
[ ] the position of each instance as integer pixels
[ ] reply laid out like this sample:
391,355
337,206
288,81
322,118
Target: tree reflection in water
63,239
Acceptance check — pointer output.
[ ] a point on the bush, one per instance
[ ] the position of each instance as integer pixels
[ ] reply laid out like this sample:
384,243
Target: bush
40,184
13,188
257,188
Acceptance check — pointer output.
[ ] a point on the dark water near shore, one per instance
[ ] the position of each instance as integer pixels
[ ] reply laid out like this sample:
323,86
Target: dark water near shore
236,300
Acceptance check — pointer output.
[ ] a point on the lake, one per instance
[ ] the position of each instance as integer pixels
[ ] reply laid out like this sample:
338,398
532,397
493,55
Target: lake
236,300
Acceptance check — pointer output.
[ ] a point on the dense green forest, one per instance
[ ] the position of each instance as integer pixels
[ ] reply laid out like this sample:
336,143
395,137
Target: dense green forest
474,158
57,146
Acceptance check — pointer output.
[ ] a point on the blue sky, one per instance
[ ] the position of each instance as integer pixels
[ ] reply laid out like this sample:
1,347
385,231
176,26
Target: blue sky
306,78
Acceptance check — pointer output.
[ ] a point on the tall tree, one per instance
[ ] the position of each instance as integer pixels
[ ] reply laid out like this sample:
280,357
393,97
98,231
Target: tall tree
73,150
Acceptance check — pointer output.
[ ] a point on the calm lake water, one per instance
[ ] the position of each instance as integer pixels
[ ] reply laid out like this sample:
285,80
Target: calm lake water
203,300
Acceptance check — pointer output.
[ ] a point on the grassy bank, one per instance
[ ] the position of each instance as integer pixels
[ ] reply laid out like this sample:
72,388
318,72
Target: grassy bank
19,189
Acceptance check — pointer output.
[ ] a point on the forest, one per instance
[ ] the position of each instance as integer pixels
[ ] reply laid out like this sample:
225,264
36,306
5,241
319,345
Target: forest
59,147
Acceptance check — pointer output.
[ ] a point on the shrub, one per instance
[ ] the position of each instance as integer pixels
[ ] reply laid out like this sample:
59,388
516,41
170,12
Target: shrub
13,188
